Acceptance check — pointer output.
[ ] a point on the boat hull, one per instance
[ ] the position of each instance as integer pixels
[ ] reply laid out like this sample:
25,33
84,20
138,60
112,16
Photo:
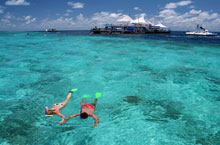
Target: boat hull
129,32
201,34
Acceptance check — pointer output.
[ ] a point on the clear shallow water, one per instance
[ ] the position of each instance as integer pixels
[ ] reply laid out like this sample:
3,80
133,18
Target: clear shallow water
157,89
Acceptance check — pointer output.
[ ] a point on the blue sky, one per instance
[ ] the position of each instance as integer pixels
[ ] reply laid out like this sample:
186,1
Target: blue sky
84,14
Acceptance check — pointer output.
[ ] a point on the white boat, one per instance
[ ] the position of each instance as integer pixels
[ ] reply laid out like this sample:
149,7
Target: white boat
201,32
50,30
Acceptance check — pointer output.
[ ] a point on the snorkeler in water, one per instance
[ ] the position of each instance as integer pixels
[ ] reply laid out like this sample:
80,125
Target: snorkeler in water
86,110
56,107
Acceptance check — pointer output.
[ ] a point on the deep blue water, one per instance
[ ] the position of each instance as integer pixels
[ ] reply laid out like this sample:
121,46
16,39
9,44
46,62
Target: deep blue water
157,88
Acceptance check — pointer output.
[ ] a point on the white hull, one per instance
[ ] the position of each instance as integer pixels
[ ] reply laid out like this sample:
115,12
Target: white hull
50,30
201,33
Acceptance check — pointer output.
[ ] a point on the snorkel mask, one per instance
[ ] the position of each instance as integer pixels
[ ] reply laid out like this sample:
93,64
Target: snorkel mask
45,112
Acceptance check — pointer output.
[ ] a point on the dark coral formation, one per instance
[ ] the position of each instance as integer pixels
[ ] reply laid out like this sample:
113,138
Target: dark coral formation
132,99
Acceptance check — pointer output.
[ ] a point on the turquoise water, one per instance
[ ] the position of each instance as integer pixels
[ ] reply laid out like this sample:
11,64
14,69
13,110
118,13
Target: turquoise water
157,89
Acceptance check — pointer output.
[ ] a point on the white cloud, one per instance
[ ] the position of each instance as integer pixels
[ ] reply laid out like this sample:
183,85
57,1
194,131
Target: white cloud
175,5
167,13
6,23
120,11
137,9
80,17
17,2
140,15
169,17
206,15
14,23
69,11
171,5
184,3
192,7
97,19
105,18
67,14
195,11
214,16
114,15
29,19
59,23
81,22
77,5
9,16
1,9
188,20
6,20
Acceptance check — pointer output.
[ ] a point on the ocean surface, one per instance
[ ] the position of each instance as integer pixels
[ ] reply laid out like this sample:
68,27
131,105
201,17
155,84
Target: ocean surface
158,89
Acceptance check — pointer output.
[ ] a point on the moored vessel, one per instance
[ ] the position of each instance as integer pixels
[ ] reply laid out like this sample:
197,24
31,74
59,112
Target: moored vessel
51,30
200,31
129,26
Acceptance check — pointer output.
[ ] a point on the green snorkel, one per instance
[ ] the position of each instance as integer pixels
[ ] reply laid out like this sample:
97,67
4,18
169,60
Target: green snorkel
86,96
45,111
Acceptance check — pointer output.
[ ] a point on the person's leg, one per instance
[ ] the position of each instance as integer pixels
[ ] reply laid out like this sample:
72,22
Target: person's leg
67,99
95,102
83,101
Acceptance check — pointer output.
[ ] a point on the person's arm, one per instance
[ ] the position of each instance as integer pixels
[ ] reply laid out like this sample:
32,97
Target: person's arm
71,116
95,102
61,115
96,120
83,101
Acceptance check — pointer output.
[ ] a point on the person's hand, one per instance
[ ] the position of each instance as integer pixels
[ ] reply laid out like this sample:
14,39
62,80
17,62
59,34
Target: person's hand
62,121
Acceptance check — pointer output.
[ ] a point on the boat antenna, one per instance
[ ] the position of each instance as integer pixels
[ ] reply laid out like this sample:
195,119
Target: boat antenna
129,16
